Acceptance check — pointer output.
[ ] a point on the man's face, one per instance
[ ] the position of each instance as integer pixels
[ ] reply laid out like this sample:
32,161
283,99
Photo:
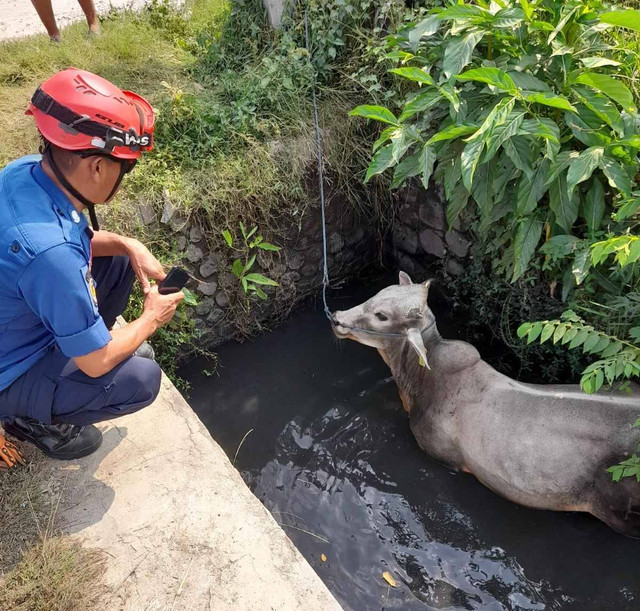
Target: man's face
96,176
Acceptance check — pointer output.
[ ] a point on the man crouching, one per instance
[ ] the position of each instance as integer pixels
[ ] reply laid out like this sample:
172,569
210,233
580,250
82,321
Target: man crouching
62,285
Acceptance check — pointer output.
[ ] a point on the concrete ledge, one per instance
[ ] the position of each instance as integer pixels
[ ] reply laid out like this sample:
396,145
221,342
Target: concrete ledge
180,528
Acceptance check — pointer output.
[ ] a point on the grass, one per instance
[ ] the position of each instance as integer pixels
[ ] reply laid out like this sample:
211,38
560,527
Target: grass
40,570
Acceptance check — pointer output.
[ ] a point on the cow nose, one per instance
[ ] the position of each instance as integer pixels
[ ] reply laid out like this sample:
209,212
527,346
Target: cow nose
334,317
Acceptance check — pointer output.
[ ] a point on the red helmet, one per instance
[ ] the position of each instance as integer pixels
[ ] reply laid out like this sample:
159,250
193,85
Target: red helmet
78,110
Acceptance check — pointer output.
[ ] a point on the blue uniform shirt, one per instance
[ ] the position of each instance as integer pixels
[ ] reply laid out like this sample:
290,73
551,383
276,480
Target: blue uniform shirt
47,295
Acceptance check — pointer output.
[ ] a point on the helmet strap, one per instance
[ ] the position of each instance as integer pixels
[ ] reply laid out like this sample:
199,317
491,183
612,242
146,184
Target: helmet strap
48,154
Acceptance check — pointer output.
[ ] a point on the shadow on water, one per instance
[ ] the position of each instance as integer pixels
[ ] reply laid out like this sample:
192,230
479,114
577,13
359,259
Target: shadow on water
331,455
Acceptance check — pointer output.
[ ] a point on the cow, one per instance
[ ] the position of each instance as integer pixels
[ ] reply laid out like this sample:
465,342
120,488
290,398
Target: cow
543,446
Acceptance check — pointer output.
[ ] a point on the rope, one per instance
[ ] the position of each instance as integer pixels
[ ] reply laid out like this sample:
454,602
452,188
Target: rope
325,265
325,273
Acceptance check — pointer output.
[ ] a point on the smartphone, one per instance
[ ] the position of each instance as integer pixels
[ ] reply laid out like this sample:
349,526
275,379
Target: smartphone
174,282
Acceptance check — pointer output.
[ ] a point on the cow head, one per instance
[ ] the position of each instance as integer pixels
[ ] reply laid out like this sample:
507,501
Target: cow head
398,312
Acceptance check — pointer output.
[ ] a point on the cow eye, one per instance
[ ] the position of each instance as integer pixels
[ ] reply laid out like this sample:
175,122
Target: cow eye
381,317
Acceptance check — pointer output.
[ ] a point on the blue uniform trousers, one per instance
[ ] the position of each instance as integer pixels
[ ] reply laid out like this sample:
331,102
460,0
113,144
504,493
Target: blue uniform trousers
54,390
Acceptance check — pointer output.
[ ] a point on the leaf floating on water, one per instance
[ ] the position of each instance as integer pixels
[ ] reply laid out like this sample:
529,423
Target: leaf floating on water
323,558
388,577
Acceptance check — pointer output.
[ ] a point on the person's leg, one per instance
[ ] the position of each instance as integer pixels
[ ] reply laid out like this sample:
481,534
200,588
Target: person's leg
45,12
114,279
52,403
90,13
127,388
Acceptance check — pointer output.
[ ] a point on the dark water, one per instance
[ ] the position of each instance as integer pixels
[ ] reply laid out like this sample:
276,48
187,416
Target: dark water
331,453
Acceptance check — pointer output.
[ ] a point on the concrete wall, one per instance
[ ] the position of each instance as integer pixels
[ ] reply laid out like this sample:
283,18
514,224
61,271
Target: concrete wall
420,236
221,312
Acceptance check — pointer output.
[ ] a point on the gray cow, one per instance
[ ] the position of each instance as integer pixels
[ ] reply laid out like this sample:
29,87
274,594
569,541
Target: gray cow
546,447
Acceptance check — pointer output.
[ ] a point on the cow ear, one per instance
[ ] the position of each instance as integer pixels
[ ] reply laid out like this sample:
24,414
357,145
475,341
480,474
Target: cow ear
415,339
404,279
426,286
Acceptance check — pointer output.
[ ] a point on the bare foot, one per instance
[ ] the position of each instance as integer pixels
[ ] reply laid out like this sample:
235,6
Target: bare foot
55,37
94,29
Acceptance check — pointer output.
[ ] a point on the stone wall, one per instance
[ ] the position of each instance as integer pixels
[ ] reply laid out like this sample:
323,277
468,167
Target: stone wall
223,310
420,237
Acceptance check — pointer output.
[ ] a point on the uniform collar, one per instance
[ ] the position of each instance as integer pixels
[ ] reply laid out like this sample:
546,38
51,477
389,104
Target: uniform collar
61,203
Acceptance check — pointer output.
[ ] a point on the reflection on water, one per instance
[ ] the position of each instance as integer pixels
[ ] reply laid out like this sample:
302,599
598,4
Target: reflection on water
332,456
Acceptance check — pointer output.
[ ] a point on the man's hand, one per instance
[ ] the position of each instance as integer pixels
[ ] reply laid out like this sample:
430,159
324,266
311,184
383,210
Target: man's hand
144,264
160,308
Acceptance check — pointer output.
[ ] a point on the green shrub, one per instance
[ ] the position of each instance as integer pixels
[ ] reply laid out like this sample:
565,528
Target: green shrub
526,112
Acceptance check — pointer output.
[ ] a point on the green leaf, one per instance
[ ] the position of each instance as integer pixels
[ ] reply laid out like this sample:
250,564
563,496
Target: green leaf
261,294
519,151
569,335
594,205
523,329
527,82
552,100
249,264
534,332
227,238
624,18
558,334
448,91
491,76
469,161
377,113
417,75
503,132
532,188
616,175
527,8
547,332
601,106
559,246
462,11
581,265
590,342
563,204
452,132
260,279
585,133
609,86
382,160
597,62
579,339
525,243
420,103
409,166
401,141
456,203
427,27
190,297
582,168
384,136
508,17
237,268
458,52
425,163
267,246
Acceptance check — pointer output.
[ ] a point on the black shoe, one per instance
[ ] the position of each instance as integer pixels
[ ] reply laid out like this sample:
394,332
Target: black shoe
146,351
61,441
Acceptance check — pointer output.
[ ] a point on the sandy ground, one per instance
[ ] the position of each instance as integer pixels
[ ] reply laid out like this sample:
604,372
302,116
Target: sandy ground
19,18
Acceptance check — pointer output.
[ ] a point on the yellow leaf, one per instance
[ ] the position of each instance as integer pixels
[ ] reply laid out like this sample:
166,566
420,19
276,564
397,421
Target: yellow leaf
388,577
323,558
